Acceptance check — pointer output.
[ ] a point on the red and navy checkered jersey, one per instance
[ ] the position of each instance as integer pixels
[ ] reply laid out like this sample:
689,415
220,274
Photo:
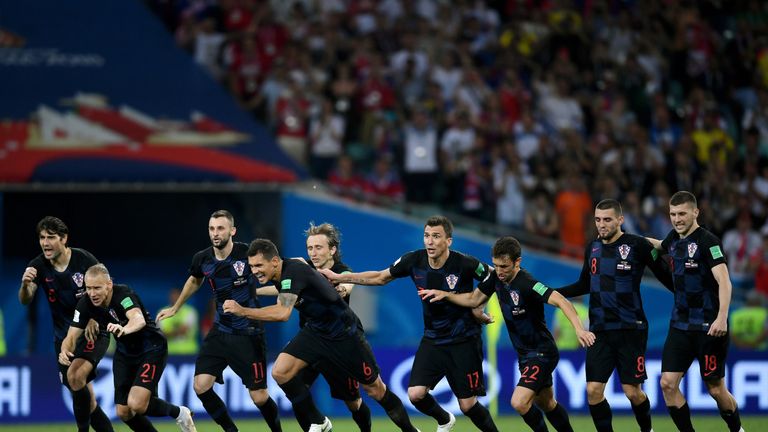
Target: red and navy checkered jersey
63,289
444,322
149,338
611,275
696,290
229,279
320,307
522,303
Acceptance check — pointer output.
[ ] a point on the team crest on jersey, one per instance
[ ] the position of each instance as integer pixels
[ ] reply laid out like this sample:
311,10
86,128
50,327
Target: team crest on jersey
451,279
78,279
624,251
239,267
692,247
113,314
515,297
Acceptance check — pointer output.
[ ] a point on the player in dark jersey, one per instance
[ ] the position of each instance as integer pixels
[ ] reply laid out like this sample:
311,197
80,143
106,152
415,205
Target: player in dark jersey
233,341
614,264
699,325
452,346
330,335
141,354
59,270
522,301
324,251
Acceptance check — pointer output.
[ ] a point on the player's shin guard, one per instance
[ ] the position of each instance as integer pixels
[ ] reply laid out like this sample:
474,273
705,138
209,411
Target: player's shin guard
681,417
429,406
269,411
559,419
362,417
81,405
100,422
303,406
140,423
396,411
481,418
215,408
159,408
643,415
535,420
732,419
602,416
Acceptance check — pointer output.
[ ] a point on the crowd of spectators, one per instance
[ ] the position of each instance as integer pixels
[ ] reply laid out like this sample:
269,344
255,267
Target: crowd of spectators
519,112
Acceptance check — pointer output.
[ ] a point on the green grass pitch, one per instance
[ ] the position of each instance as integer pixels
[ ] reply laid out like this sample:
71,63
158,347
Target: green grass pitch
381,424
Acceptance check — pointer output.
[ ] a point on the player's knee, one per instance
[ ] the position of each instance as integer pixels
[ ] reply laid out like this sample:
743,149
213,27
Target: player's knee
200,386
75,382
137,405
716,390
280,375
668,385
123,412
416,394
376,390
634,394
467,404
546,405
520,404
594,394
259,397
354,405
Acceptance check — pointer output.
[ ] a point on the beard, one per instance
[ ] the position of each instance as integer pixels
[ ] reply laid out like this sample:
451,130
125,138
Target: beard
222,244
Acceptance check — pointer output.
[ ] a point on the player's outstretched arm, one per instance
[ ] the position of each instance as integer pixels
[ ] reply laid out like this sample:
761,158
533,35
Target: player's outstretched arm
68,345
656,243
363,278
280,311
28,286
719,326
471,299
586,338
660,269
135,323
190,287
267,290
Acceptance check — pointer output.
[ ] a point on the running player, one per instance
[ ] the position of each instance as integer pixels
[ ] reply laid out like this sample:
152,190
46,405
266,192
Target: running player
59,270
614,264
331,335
699,325
522,301
233,341
452,346
142,350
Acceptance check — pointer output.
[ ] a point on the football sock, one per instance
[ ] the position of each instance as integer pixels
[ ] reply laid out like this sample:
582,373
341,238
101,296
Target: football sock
481,418
362,417
535,420
602,416
428,406
215,408
99,421
269,412
643,415
396,411
140,423
732,419
559,419
681,417
303,406
81,405
159,408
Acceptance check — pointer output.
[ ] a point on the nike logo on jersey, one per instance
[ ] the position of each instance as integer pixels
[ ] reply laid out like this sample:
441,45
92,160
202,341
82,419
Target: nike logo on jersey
49,279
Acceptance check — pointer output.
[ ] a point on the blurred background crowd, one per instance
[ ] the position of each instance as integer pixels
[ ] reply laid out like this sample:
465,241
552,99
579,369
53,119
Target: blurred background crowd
521,113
